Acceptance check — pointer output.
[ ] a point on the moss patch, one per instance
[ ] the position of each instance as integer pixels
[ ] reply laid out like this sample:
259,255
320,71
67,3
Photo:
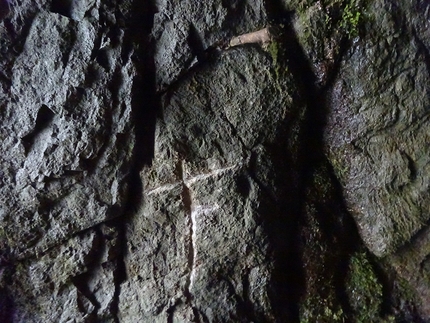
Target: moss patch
364,289
323,27
351,19
276,51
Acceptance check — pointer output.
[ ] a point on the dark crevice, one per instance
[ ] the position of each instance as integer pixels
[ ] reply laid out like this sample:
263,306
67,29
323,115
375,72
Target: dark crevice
412,167
97,45
62,7
6,306
245,308
135,189
145,102
171,310
186,200
339,228
386,281
235,11
4,9
288,278
196,314
102,59
138,47
341,233
44,117
195,42
120,272
7,270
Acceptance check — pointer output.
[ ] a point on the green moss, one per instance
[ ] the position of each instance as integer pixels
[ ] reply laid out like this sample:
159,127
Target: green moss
329,19
321,309
364,289
2,233
277,53
273,50
406,291
340,168
351,19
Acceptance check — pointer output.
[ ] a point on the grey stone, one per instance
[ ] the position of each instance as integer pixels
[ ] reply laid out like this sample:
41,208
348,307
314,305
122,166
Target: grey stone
202,225
378,134
64,126
184,30
149,173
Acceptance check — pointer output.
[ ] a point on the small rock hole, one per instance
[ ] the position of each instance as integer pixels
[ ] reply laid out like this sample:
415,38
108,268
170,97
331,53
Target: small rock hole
43,119
62,7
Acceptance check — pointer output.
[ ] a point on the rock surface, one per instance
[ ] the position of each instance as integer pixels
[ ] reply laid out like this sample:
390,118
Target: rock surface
209,198
149,173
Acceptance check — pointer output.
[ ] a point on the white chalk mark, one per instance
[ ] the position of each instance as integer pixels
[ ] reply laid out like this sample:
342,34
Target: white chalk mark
213,173
191,180
163,188
197,210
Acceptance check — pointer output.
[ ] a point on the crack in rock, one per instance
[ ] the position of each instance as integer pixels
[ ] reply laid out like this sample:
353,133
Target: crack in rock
192,212
188,204
193,179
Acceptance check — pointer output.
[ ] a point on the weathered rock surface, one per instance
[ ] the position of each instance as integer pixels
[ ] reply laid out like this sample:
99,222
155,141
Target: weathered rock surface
209,196
184,30
379,131
66,134
148,173
378,134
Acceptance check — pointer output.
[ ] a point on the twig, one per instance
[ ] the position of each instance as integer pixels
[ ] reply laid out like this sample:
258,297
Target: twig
261,37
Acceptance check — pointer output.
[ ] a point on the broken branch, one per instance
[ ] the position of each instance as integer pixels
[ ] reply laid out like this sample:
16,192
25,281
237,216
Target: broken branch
261,37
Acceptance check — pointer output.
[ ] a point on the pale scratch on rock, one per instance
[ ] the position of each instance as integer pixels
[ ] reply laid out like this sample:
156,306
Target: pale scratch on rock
191,180
163,188
197,210
213,173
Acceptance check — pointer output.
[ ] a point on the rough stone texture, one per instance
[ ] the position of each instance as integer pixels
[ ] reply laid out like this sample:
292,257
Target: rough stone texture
71,282
184,30
204,220
66,143
378,130
150,174
382,116
66,152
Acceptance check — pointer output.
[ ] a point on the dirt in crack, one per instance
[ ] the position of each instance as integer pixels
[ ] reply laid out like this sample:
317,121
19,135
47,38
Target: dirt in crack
145,106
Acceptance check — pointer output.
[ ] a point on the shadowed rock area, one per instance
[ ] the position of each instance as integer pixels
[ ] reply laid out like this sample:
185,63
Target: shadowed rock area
151,172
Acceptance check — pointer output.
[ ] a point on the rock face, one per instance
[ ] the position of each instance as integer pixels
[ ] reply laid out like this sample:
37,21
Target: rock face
211,194
380,106
150,173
